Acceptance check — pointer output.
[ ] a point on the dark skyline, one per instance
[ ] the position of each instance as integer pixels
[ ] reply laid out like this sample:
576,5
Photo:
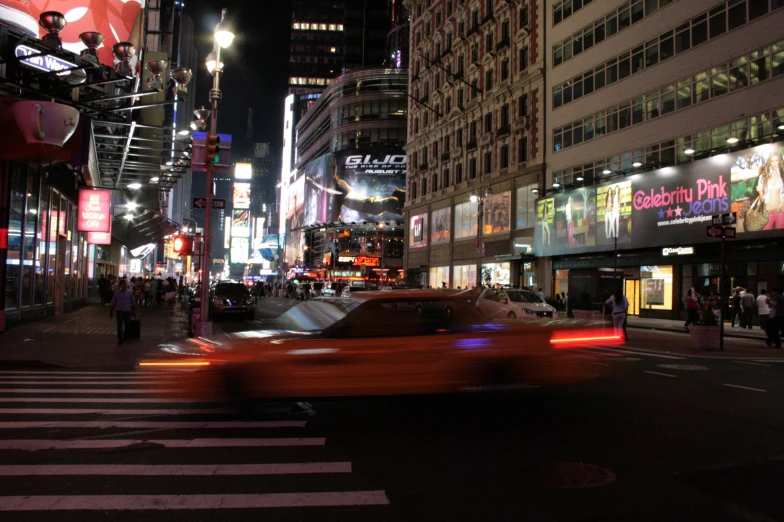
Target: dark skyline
256,65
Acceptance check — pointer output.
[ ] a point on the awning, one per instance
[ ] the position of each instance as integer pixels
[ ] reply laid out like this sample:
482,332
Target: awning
139,228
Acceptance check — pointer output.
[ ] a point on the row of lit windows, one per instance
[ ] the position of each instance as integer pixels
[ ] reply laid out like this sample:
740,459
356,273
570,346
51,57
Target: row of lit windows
676,151
306,26
300,80
743,71
730,15
619,19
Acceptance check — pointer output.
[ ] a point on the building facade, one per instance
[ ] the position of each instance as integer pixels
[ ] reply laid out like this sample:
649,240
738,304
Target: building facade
341,209
475,127
649,95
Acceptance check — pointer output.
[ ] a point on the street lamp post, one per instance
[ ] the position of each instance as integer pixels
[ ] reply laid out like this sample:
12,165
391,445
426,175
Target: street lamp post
480,240
223,38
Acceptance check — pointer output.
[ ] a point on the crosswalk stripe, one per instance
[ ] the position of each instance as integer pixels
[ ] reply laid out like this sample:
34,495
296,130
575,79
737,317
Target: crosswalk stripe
43,444
84,383
638,352
116,411
9,425
191,502
61,391
296,468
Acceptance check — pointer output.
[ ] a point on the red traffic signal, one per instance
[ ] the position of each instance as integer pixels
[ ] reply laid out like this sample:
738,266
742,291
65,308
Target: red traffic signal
211,150
182,245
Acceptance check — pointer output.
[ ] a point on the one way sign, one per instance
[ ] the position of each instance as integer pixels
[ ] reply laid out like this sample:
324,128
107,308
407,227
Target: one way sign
217,204
719,232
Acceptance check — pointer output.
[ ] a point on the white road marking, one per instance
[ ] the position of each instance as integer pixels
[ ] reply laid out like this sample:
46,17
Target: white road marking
662,374
120,378
770,360
61,391
187,502
113,400
43,444
641,352
10,425
135,470
116,411
745,388
752,363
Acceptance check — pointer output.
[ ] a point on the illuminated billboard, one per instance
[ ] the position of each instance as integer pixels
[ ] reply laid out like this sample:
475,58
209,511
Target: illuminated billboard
668,207
243,171
240,223
241,196
239,249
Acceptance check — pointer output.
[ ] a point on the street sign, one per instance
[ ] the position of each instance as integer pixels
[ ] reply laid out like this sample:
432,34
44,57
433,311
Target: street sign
730,218
720,232
217,204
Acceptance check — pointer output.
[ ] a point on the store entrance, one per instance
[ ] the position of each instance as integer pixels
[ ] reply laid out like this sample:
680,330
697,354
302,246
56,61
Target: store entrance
632,291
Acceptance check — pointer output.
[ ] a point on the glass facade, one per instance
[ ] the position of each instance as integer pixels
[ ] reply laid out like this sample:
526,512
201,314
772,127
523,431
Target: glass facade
439,277
656,283
46,254
464,276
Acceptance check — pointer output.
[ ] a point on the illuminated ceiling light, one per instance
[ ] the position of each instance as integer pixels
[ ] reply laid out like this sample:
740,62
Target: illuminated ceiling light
579,178
129,217
184,132
556,184
134,186
474,196
689,151
636,164
606,171
732,140
131,205
169,163
535,191
781,127
154,179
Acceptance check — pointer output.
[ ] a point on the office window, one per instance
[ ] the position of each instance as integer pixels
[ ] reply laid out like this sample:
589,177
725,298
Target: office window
524,16
459,138
434,182
489,122
445,178
458,173
522,106
489,42
489,80
505,156
523,58
472,168
424,187
505,69
488,161
522,150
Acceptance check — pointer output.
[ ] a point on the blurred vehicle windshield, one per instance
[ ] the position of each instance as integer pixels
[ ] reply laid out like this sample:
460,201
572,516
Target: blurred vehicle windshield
522,296
317,315
231,290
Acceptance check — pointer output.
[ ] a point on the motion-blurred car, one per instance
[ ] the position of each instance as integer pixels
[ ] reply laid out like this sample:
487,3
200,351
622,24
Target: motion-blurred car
329,289
378,344
232,299
349,291
510,303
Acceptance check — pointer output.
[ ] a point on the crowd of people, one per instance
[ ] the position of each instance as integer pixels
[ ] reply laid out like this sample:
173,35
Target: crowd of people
148,292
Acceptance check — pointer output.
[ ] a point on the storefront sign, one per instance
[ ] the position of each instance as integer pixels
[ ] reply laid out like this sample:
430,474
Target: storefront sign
677,251
95,210
360,260
417,228
100,238
667,206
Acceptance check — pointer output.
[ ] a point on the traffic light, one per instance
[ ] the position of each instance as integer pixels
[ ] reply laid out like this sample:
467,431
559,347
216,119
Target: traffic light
212,150
182,245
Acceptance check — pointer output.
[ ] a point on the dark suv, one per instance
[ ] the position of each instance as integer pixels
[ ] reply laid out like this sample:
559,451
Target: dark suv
227,299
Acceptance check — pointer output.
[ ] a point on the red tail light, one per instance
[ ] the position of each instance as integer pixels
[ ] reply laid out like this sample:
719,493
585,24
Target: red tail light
573,339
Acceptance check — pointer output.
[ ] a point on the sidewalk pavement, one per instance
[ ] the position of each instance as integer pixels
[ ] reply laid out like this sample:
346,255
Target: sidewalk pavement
87,338
671,325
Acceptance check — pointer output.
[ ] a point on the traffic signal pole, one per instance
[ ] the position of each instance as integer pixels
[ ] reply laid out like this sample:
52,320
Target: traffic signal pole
215,96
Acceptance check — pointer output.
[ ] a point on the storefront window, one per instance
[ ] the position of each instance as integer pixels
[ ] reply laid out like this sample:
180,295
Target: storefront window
496,213
15,221
562,281
464,276
466,220
41,245
656,282
496,273
28,245
439,277
441,223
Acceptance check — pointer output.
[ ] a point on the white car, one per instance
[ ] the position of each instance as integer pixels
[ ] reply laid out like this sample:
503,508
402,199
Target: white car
510,303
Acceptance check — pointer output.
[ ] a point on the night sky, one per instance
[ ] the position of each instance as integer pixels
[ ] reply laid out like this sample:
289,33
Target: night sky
256,65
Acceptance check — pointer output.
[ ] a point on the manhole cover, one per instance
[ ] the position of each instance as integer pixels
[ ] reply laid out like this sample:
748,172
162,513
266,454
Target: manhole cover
691,367
574,475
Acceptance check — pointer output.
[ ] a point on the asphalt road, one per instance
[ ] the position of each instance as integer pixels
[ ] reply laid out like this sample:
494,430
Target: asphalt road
648,437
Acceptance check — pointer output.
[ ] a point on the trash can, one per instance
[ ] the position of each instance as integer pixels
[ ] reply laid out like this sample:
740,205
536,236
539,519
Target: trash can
194,316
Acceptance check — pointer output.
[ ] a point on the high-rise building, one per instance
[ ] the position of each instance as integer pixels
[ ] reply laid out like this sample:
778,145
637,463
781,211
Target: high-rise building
399,35
317,52
660,115
475,140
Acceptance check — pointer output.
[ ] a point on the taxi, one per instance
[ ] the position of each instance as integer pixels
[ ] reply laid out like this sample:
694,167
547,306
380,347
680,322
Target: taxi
381,343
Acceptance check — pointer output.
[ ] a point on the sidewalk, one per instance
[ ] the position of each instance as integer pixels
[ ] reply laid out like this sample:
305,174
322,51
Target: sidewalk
87,338
670,325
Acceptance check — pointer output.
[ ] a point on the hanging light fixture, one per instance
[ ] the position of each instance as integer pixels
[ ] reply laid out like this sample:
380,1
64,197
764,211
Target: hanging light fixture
53,22
92,40
156,68
124,52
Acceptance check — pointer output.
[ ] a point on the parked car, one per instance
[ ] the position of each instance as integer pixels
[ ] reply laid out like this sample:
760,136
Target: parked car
329,290
376,344
510,303
232,299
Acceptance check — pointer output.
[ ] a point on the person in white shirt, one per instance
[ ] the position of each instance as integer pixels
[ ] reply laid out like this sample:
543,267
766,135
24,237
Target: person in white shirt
763,309
620,306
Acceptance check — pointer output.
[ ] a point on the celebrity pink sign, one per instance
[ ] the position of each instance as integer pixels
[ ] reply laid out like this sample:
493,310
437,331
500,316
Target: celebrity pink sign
706,197
95,210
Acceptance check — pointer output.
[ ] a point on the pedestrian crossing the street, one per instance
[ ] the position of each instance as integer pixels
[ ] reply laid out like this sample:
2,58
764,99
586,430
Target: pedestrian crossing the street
88,443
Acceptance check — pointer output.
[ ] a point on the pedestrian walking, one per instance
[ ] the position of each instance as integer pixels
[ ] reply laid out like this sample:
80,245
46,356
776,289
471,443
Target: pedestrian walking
776,322
102,289
123,304
540,295
620,307
737,314
763,310
692,308
747,303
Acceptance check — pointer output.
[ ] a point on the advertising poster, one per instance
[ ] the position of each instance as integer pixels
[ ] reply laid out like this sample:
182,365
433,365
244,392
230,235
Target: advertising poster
496,213
240,223
654,288
417,236
614,213
295,218
544,221
575,219
441,226
241,196
672,206
239,249
317,176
